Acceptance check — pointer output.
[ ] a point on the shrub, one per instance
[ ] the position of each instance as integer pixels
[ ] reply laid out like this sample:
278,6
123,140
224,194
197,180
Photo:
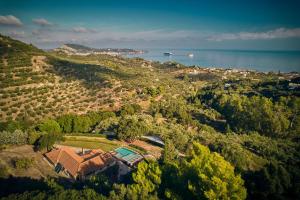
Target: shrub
130,109
16,137
33,137
4,171
23,163
11,126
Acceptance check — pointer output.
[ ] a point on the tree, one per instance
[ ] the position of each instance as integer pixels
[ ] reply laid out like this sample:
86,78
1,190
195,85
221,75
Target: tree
253,114
33,136
130,109
82,124
146,179
107,124
130,129
97,117
207,175
147,176
66,123
46,141
11,126
170,153
58,193
271,181
49,126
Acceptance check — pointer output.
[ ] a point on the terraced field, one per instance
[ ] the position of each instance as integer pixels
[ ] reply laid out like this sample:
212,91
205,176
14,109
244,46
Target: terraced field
36,84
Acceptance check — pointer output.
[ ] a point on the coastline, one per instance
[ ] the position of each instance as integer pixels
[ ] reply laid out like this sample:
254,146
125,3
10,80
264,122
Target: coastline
262,61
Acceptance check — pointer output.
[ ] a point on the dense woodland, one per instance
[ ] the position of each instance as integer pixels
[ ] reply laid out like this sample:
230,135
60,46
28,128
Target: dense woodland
225,139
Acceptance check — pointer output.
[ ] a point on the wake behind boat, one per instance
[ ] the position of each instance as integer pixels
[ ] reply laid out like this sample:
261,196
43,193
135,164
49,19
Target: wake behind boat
190,55
168,53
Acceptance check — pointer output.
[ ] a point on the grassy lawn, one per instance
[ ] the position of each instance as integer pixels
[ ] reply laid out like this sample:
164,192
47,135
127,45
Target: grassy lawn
90,142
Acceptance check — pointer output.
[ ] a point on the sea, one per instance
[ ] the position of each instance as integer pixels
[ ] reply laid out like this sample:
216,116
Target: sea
264,61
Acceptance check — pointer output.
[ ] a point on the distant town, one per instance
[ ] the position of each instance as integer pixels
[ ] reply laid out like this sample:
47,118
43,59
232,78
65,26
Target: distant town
76,49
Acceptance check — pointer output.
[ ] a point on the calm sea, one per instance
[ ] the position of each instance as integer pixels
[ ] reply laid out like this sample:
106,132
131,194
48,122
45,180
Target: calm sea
284,61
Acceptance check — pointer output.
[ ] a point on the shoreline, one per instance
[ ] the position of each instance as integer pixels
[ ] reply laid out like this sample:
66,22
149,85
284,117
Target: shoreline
212,68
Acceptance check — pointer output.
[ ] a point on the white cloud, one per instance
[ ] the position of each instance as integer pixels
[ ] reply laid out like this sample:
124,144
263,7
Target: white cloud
42,22
10,20
272,34
81,29
17,34
82,35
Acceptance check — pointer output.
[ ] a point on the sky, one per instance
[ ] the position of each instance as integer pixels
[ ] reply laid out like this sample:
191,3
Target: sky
211,24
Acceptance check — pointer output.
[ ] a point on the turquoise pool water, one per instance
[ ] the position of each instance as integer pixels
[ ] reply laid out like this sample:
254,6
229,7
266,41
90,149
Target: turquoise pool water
124,151
127,155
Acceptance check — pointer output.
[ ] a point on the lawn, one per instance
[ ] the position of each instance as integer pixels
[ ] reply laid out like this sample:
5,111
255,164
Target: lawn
91,143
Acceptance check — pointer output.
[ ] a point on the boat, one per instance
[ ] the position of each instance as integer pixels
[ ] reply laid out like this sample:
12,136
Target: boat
190,55
168,53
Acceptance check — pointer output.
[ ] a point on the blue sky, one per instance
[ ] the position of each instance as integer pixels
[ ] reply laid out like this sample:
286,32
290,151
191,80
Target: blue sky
259,25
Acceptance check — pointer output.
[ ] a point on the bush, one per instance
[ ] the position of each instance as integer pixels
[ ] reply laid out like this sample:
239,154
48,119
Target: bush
130,109
16,137
11,126
4,171
23,163
33,137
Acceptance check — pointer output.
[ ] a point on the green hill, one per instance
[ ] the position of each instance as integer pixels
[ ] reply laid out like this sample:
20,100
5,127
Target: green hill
37,84
250,118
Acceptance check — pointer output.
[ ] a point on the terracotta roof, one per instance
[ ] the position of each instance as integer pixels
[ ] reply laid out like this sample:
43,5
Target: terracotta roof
79,164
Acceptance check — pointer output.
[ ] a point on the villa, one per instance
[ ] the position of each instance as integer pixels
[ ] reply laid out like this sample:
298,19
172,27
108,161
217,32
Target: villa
79,165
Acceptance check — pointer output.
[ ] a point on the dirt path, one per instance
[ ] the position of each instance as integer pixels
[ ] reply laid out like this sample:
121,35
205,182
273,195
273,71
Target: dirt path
38,63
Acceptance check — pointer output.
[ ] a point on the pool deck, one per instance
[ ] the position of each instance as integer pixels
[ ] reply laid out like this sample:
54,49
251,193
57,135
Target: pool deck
127,155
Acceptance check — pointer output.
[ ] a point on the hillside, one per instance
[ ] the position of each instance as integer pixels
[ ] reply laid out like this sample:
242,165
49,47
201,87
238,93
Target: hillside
37,84
245,123
76,49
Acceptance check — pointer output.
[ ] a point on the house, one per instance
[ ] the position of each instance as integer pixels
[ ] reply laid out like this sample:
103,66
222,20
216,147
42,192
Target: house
79,165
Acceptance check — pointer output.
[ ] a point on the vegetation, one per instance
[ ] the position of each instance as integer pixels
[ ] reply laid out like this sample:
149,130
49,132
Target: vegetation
90,143
16,137
23,163
130,129
232,138
47,141
49,126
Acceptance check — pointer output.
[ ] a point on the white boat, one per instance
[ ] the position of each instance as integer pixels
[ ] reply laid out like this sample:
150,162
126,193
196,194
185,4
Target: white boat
190,55
168,53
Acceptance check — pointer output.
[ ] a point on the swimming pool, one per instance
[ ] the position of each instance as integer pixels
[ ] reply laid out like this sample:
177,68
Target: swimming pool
127,155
